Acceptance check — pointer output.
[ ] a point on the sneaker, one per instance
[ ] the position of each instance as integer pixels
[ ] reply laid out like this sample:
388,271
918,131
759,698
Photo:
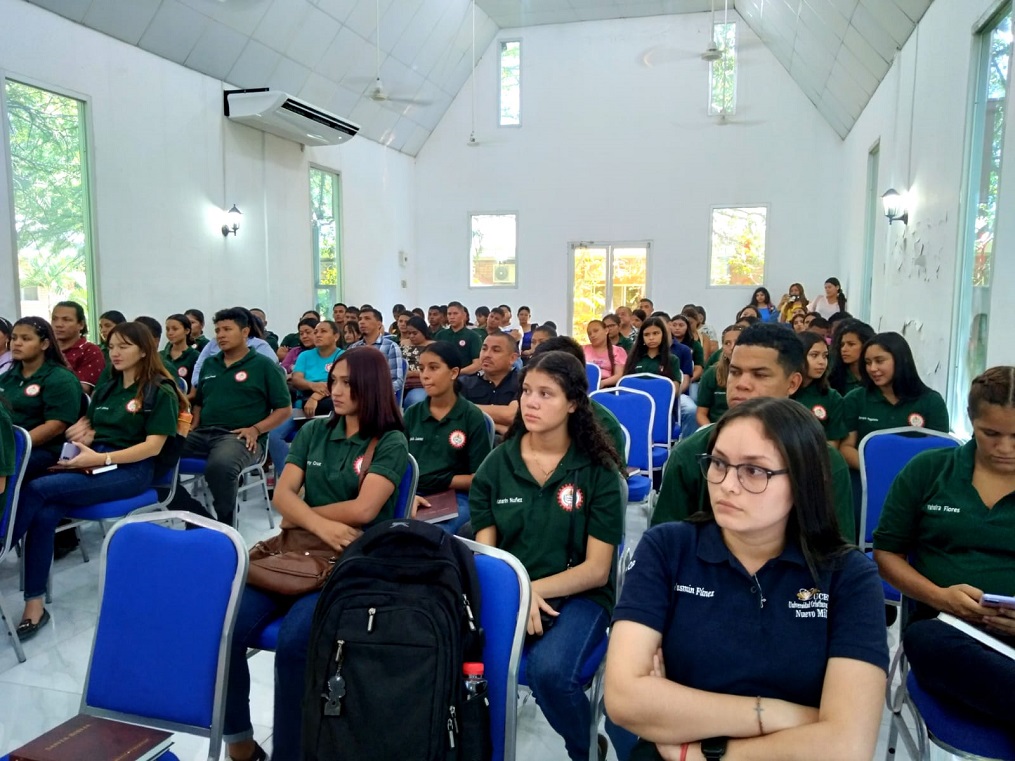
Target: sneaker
604,746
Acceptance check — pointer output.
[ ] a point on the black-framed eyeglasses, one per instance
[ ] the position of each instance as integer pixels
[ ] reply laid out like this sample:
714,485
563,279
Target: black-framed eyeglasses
753,478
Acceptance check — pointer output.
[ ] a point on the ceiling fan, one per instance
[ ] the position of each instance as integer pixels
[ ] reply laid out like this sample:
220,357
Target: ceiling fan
713,52
378,92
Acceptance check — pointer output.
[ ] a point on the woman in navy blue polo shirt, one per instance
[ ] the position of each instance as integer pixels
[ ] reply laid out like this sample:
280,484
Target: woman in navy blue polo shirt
752,629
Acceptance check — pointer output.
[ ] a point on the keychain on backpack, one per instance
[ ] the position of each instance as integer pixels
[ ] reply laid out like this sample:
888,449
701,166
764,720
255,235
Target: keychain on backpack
336,687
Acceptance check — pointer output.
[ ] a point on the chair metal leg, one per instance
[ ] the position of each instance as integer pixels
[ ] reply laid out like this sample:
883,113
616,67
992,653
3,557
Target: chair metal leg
81,543
12,632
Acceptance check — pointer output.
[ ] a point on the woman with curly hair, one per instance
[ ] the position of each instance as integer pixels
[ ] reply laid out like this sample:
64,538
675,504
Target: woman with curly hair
551,495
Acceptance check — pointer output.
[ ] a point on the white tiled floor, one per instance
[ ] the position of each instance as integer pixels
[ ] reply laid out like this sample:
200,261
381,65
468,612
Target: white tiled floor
46,689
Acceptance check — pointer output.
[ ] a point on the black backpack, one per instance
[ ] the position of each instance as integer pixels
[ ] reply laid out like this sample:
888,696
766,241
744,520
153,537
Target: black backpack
167,458
395,621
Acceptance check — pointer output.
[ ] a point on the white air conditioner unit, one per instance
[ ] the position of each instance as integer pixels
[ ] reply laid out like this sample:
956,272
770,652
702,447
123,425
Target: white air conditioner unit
504,273
280,114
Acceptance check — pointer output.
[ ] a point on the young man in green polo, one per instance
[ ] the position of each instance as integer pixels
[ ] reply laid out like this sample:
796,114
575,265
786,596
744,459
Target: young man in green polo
768,360
458,334
241,395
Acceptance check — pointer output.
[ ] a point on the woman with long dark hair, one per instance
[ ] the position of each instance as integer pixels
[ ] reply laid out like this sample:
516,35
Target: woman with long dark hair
789,650
762,301
179,355
551,495
651,352
447,433
893,395
833,300
116,430
45,397
319,490
815,394
844,355
417,338
600,352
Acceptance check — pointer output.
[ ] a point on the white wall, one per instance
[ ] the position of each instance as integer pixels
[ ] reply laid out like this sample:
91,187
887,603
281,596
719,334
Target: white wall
920,113
613,150
165,162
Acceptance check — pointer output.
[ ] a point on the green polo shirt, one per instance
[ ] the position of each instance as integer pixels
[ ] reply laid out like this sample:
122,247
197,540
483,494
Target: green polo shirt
625,343
613,428
866,411
291,341
853,382
713,358
118,416
684,490
240,395
6,450
934,515
456,445
200,342
698,353
182,366
533,522
827,408
468,340
331,463
50,393
652,365
711,396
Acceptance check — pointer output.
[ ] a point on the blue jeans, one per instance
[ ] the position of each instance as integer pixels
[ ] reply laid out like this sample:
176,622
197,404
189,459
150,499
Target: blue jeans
464,516
278,446
46,501
552,669
257,610
688,415
38,463
413,396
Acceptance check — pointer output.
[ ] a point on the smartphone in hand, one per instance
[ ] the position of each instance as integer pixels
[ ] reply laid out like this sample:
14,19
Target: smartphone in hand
69,451
998,601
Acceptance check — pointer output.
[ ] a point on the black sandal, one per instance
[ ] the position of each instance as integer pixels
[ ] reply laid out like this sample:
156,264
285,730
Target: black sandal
26,629
259,754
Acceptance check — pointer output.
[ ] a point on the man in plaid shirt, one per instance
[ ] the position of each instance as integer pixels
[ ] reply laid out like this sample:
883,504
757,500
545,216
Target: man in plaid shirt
371,325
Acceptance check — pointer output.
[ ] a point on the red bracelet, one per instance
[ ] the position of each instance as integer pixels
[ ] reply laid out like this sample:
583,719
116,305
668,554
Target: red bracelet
683,751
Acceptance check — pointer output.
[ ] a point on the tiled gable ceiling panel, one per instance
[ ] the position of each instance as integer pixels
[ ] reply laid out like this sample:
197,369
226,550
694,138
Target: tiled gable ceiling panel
326,52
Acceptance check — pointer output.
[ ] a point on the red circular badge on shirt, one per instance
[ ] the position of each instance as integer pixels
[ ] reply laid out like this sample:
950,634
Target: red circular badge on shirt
133,406
916,420
357,465
182,372
33,390
569,497
457,439
241,376
819,412
462,342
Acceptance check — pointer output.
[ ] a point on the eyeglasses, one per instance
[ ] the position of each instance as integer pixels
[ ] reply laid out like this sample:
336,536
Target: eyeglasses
753,478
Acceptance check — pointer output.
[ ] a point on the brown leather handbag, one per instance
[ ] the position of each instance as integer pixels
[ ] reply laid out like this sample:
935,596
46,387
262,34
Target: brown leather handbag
296,561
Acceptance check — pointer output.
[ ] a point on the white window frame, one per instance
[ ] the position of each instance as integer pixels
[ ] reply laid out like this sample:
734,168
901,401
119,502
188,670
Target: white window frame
500,89
611,246
736,69
708,263
468,248
339,233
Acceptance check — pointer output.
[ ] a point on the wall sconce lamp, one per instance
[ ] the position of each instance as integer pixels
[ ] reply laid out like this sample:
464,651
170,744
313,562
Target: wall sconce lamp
232,222
895,206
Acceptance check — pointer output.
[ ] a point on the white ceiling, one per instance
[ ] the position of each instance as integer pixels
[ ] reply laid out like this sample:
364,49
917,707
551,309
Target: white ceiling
323,51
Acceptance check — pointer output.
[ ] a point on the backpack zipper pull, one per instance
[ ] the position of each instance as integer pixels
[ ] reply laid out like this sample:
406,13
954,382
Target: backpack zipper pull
452,727
468,612
370,621
336,686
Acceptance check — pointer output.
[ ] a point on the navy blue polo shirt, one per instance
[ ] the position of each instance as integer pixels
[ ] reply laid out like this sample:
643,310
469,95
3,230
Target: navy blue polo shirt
684,356
770,634
478,390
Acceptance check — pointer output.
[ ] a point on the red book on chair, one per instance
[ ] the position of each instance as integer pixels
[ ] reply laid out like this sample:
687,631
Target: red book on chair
89,738
443,507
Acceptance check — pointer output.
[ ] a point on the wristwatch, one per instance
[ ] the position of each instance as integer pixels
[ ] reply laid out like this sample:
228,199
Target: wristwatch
714,748
109,460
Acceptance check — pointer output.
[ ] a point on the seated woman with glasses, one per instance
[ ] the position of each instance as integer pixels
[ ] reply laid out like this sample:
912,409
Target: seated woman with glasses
752,630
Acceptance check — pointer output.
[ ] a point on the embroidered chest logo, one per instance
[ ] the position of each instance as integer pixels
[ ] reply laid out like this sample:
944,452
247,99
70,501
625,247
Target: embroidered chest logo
357,465
570,497
457,439
810,603
462,342
133,406
241,376
916,420
819,412
182,372
33,390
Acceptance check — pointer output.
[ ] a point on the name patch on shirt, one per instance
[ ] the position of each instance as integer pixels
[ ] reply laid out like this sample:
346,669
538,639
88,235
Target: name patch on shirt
696,591
509,501
943,509
810,603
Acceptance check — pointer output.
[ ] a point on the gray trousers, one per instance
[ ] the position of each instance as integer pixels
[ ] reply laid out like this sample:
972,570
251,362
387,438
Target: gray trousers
226,455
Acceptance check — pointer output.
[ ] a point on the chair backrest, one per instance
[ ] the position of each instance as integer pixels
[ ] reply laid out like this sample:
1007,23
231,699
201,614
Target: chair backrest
664,393
9,508
635,409
407,489
401,392
167,605
491,428
882,455
627,441
504,616
595,376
